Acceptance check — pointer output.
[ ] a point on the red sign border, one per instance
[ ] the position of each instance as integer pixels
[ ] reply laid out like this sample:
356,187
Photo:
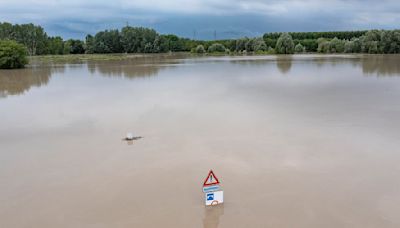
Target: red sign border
208,176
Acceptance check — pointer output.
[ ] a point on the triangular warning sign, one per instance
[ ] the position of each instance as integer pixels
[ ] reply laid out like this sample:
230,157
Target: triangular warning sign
211,179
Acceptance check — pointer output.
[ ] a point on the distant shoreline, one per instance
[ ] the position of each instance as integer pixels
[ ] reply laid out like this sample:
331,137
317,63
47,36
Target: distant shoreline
146,40
110,56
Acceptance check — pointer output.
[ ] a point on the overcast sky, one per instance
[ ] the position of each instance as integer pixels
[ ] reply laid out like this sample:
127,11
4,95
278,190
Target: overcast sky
200,18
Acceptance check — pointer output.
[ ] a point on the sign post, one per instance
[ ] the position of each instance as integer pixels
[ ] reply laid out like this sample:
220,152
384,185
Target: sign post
213,192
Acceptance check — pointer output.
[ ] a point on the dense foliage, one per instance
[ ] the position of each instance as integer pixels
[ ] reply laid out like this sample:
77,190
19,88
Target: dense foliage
12,55
144,40
373,42
74,47
199,49
134,40
299,48
33,37
285,44
217,47
316,35
309,39
36,40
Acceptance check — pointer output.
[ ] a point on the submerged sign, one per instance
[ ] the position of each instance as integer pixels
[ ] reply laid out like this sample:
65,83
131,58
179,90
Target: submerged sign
214,198
211,188
213,192
211,179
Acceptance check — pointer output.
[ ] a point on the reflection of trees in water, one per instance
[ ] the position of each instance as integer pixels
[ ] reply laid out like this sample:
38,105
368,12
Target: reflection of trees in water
137,66
381,65
284,63
253,62
333,60
13,82
149,65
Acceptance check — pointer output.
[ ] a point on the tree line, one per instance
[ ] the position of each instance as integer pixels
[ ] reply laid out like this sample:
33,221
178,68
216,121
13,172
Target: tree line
372,41
36,40
145,40
134,40
127,40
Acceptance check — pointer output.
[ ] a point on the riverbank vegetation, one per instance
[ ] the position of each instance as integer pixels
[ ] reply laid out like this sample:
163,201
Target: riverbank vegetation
144,40
12,55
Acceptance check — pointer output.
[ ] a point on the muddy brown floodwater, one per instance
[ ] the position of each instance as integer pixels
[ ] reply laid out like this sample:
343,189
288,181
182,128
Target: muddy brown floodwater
301,141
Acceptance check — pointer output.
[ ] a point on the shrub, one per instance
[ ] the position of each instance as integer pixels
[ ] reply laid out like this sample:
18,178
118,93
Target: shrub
299,48
200,49
216,48
12,55
271,51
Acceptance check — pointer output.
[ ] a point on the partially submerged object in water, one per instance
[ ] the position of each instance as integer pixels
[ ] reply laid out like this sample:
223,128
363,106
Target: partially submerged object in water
130,137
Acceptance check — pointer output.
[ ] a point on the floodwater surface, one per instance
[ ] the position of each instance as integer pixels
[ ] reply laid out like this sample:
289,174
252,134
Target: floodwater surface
296,141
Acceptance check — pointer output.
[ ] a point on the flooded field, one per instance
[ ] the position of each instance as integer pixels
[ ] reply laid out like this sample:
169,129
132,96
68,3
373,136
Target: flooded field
301,141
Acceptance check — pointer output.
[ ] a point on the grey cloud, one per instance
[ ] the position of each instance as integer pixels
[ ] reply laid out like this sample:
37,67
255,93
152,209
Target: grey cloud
231,18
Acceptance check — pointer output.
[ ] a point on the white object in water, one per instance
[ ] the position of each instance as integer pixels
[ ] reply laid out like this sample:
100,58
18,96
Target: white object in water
129,136
214,198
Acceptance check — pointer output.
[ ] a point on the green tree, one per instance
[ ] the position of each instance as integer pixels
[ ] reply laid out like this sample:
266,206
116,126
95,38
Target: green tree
139,40
12,55
299,48
323,45
7,31
310,45
175,43
356,45
259,45
72,46
315,35
249,45
285,44
389,42
348,46
370,41
108,41
55,46
161,44
216,47
240,44
33,37
89,44
77,47
200,49
67,48
336,46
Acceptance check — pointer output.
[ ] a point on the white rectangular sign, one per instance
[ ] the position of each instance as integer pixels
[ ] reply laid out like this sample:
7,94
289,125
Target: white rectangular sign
214,198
